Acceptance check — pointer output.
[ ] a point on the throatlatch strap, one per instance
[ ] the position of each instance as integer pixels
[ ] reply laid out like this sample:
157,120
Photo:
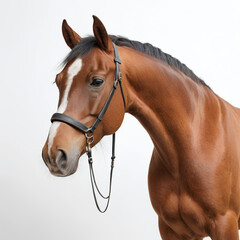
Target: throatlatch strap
118,74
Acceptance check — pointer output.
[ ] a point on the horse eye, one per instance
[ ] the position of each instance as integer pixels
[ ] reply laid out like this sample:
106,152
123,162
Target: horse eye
97,82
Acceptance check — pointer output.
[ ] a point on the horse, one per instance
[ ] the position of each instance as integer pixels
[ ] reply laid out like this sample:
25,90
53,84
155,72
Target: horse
194,175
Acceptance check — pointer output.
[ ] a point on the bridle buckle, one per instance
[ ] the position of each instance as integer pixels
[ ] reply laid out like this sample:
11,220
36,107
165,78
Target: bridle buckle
115,83
119,76
119,79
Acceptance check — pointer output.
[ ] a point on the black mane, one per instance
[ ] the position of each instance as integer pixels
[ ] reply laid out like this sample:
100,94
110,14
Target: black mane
86,44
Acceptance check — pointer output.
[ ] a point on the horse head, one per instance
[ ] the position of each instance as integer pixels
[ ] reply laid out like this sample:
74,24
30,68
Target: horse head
84,86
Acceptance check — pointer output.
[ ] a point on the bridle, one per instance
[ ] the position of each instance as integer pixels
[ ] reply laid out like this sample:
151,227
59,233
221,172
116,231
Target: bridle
89,131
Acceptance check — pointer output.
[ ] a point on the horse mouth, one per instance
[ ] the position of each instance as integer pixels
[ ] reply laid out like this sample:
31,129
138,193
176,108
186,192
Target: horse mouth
60,173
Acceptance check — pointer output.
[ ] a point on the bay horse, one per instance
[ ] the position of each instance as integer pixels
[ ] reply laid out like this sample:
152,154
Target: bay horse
194,170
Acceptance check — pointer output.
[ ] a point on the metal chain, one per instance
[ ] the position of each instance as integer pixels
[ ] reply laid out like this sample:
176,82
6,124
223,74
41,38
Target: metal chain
94,185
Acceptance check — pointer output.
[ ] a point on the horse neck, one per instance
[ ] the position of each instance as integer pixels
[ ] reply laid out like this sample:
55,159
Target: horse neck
165,102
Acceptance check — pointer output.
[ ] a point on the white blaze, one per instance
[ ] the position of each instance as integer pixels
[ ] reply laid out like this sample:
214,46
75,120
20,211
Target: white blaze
73,70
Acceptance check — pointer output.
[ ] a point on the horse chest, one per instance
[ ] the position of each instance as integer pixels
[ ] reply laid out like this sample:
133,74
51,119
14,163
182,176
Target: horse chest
180,211
183,214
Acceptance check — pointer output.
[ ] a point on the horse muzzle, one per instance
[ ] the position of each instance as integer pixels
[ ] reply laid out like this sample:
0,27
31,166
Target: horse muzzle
62,163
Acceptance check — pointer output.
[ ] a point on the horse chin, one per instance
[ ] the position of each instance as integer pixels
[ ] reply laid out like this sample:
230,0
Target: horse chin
65,173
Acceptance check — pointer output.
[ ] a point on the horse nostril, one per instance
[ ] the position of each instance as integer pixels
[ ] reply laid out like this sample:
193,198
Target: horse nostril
61,159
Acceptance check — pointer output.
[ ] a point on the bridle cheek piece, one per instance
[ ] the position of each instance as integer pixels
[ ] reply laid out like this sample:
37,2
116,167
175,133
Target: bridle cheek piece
59,117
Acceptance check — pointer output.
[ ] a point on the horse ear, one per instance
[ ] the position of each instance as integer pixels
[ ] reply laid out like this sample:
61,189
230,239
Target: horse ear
101,35
70,36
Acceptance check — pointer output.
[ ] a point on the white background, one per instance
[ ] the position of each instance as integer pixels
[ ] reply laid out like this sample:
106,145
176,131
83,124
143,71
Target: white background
205,35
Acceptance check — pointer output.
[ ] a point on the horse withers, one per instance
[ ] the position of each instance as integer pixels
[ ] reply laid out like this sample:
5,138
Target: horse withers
194,171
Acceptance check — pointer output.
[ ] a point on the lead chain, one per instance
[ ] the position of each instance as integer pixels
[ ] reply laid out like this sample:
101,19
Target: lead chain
90,140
